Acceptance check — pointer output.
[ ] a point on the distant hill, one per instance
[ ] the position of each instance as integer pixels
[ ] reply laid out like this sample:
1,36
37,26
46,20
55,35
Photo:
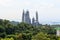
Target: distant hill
14,22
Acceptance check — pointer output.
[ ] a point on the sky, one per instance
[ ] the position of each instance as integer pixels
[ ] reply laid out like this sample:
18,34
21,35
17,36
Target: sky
48,10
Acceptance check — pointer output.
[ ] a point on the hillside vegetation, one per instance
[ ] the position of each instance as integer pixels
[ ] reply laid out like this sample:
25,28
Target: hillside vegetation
24,31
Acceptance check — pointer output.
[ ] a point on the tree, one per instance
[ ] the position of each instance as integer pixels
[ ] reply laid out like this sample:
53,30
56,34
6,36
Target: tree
40,36
2,31
1,22
10,29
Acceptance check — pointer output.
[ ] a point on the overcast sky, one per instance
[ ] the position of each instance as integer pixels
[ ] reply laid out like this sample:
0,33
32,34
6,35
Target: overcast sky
48,10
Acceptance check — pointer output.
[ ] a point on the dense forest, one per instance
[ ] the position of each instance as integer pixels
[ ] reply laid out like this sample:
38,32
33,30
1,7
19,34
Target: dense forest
24,31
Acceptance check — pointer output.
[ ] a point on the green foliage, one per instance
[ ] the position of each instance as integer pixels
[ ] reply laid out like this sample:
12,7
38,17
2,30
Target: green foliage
1,22
40,36
6,39
2,29
24,31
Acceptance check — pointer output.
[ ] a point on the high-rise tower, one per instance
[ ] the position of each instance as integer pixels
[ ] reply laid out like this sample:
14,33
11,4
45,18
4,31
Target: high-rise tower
37,22
27,18
33,21
23,16
36,16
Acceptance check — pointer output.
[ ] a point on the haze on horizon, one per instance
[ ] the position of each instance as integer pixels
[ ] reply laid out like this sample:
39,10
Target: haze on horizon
48,10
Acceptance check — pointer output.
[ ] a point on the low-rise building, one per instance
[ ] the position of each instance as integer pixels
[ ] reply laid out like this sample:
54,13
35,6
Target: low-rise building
58,31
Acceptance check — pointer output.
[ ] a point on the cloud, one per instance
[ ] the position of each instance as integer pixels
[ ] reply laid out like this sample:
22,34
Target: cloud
26,4
5,2
46,8
57,0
